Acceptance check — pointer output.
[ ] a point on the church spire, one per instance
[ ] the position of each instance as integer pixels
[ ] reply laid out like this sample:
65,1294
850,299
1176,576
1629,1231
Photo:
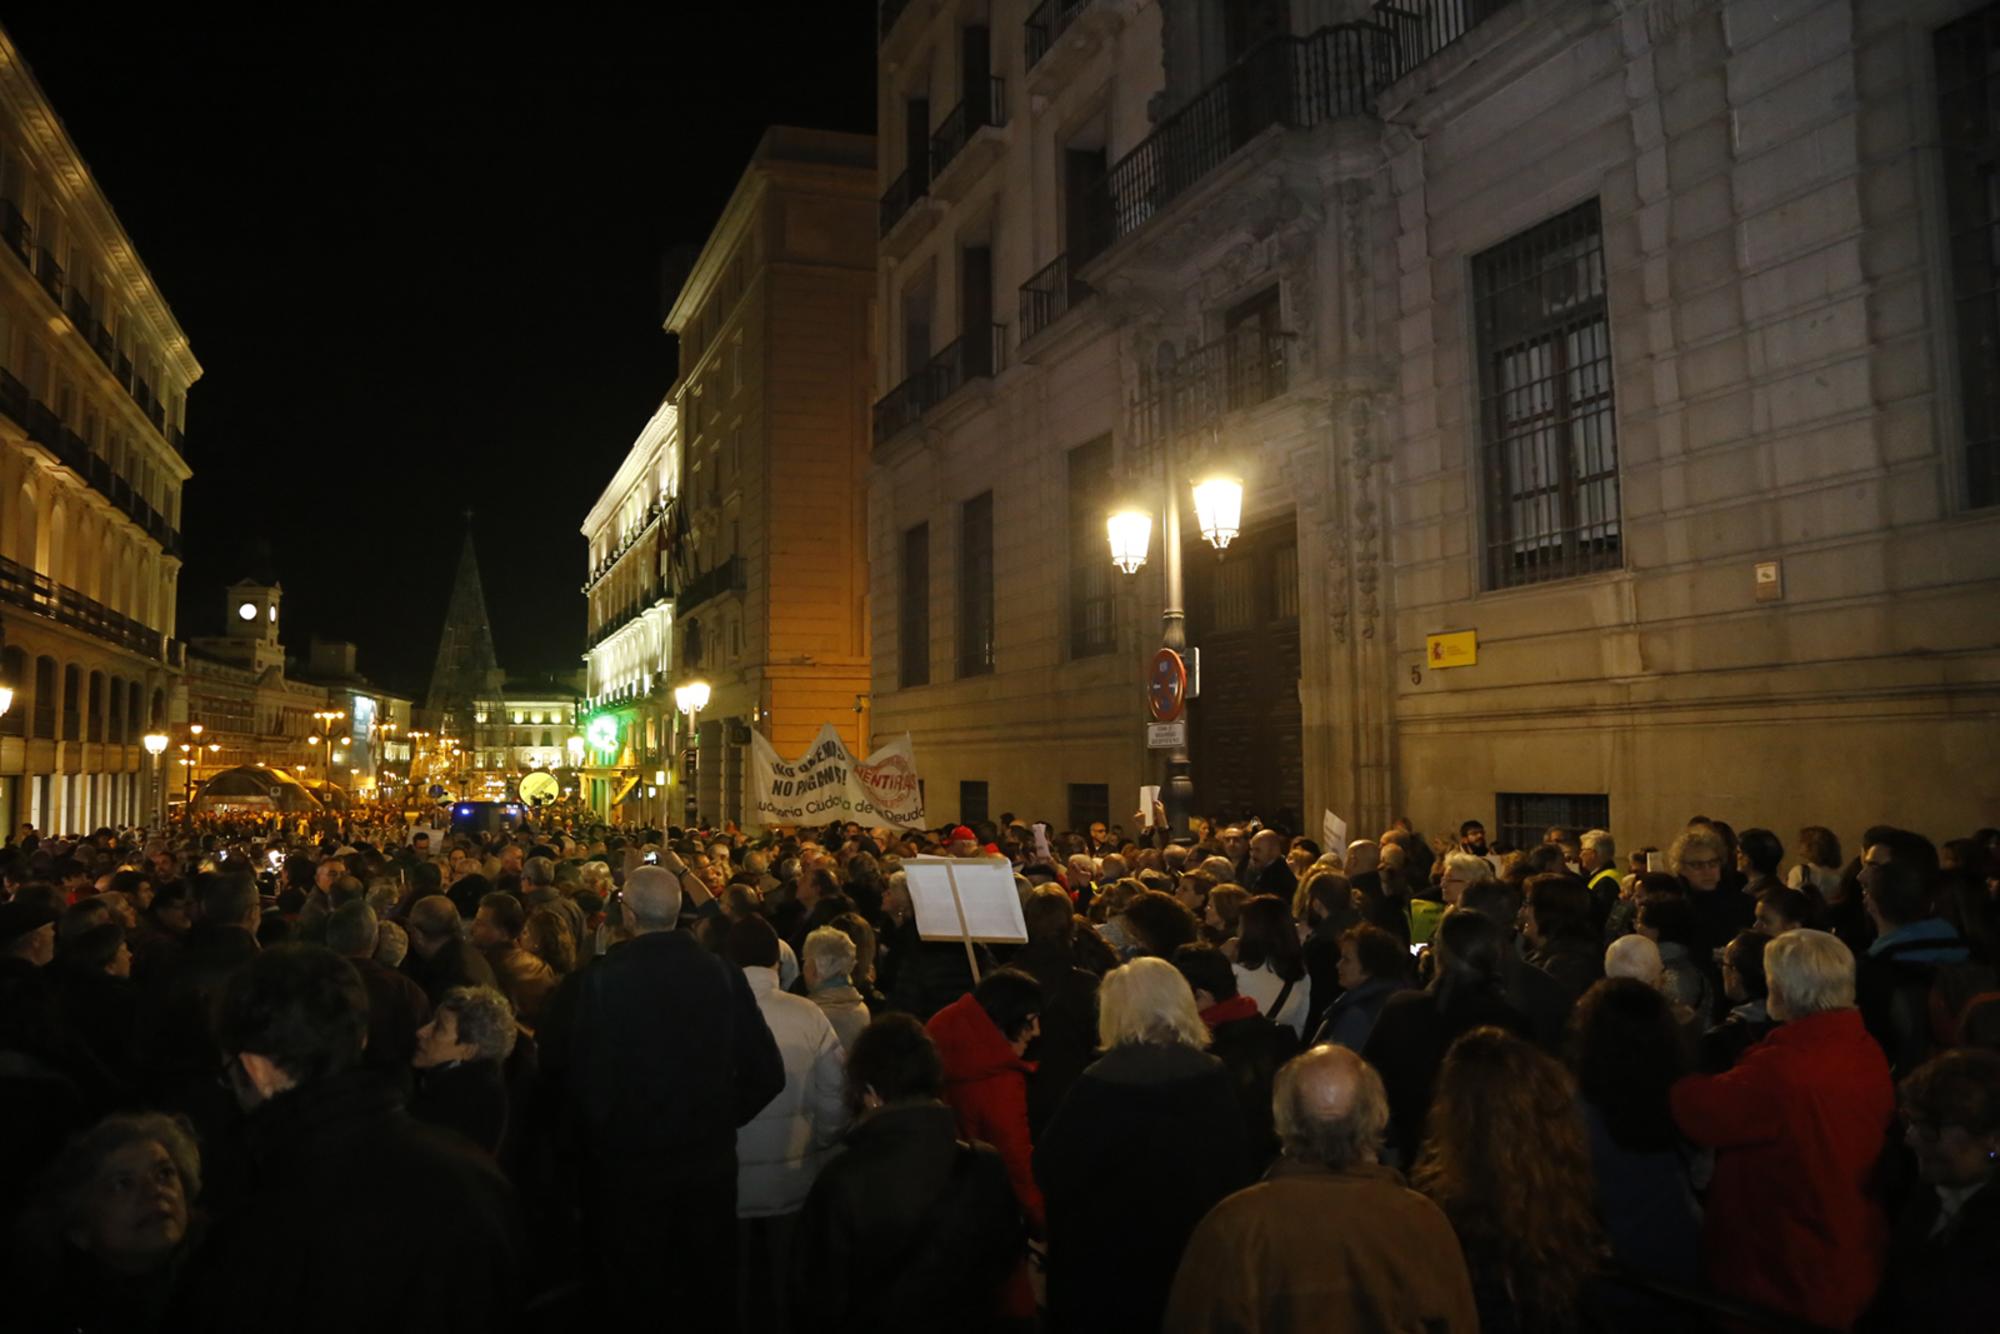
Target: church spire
467,669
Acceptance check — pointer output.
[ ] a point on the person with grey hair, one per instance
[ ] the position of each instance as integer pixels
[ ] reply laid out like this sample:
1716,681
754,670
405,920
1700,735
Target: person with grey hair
397,1007
392,944
1147,1140
100,1245
1328,1230
540,888
440,956
666,1054
829,974
1793,1222
460,1055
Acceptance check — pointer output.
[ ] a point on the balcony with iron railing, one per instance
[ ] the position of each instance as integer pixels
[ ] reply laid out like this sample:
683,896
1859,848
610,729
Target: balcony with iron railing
70,449
1059,35
897,200
727,577
1297,83
34,592
1240,370
967,140
42,266
1050,295
962,361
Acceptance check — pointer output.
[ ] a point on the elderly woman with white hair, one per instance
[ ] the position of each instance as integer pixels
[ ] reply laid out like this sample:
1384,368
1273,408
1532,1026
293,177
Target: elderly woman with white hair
1793,1223
829,971
1147,1140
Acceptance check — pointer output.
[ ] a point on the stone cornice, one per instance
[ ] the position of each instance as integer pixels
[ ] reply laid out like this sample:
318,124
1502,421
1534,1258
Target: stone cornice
45,140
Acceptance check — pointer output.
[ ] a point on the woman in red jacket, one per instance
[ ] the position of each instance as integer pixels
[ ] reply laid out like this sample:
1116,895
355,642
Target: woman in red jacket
1798,1126
981,1037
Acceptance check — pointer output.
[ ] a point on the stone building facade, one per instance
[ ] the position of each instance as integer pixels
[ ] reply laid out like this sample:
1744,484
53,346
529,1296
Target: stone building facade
94,375
769,557
629,648
1646,339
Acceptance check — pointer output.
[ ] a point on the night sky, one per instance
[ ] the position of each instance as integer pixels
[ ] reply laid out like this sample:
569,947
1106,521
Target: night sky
421,264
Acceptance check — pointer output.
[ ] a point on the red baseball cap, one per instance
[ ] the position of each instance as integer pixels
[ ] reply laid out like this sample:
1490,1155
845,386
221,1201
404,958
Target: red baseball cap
960,834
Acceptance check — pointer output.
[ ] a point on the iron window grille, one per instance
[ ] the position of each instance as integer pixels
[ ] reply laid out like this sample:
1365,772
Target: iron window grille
1969,136
1548,427
1525,816
975,586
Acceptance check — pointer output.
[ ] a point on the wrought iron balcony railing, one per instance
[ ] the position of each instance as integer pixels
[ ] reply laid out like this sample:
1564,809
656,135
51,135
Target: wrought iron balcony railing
981,107
1049,295
1047,23
1243,368
1297,82
963,360
728,577
34,592
904,191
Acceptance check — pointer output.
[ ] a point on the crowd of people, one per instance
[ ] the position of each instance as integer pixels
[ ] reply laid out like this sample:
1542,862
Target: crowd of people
359,1075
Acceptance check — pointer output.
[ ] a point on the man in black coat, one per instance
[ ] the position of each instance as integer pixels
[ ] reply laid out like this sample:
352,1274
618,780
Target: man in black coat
909,1229
397,1007
358,1217
440,956
666,1054
1250,1046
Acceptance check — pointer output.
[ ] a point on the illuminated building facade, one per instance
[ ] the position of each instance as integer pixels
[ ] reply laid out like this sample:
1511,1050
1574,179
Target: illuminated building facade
629,649
1650,342
94,375
768,557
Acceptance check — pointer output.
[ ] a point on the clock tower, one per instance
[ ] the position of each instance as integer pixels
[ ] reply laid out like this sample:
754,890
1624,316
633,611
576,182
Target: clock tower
250,625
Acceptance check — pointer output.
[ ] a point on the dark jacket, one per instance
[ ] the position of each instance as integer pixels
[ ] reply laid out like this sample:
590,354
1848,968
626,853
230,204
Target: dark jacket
1352,1017
1574,963
1069,1025
1893,981
397,1008
1277,878
1948,1283
1251,1047
456,964
907,1231
1146,1143
656,1095
466,1097
360,1218
1411,1036
1721,912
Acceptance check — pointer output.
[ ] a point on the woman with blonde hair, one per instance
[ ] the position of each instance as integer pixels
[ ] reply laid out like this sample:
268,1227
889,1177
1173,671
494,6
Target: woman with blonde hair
1148,1139
1506,1155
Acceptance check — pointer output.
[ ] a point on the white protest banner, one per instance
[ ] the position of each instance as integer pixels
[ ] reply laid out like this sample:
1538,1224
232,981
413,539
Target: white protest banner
1333,834
828,783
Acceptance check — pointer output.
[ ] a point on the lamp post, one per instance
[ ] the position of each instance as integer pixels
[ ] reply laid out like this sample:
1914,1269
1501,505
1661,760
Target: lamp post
691,699
1218,503
156,746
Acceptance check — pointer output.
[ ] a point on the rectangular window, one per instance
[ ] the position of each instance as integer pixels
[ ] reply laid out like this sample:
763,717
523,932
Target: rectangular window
1088,803
1092,600
1969,137
975,586
971,803
1548,433
914,609
1525,816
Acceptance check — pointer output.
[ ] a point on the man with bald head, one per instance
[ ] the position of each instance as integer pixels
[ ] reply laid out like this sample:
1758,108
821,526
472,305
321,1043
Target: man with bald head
1329,1240
1268,871
667,1055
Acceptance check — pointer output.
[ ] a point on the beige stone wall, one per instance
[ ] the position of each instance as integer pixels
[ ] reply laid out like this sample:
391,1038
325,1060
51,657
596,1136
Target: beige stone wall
1774,251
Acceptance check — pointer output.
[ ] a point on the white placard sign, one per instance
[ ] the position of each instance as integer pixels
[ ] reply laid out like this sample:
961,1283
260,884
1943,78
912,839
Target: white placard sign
1333,834
965,898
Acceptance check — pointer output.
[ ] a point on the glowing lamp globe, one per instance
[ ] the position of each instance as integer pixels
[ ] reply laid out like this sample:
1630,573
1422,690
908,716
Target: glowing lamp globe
692,697
1218,510
1130,533
156,743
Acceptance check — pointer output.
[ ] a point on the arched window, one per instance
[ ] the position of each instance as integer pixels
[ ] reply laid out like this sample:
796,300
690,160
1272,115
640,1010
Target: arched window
14,669
93,724
72,719
45,698
115,723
